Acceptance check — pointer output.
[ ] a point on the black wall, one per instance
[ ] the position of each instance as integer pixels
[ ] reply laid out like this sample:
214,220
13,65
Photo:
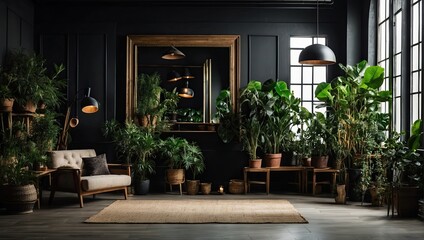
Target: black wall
90,39
16,25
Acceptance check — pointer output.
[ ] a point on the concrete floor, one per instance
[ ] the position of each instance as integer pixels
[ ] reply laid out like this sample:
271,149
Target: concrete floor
64,220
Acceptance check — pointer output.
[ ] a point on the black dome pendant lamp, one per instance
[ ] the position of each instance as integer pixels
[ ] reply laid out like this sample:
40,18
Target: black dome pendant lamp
317,54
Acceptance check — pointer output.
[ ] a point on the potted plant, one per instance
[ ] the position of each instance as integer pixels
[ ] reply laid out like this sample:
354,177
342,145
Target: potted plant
136,145
319,138
148,99
228,128
7,97
194,162
180,155
281,109
17,181
302,147
352,101
253,109
406,166
170,103
45,131
30,82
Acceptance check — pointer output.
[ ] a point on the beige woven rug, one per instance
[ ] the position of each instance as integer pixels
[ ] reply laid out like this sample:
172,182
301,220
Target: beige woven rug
198,211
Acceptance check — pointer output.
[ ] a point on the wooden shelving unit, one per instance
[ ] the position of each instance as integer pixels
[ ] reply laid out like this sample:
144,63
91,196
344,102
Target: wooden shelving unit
193,127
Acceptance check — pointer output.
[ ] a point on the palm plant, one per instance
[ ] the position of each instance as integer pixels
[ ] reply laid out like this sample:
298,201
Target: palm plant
135,144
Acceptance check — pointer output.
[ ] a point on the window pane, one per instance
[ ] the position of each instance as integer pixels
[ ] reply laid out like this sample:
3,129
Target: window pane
307,92
296,75
322,110
300,42
415,61
297,90
415,84
307,105
381,10
397,117
294,57
320,74
416,100
398,65
321,41
415,23
397,87
307,74
398,36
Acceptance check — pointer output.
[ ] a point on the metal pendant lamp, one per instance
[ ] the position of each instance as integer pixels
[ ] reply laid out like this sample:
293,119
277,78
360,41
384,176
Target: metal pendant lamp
186,92
173,54
317,54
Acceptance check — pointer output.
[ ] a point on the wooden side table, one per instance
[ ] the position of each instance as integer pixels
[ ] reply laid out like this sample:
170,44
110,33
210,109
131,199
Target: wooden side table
298,169
316,171
256,170
40,175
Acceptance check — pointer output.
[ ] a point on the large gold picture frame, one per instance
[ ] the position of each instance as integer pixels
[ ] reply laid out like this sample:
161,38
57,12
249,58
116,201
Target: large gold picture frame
232,42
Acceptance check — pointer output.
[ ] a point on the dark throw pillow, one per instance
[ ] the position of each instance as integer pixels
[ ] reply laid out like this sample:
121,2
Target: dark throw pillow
95,165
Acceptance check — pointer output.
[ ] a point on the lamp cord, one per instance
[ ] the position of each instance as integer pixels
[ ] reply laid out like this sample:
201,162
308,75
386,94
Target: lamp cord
317,21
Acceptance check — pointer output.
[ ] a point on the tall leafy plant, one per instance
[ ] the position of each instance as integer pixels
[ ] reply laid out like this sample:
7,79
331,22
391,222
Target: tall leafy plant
353,101
255,104
135,145
226,117
279,117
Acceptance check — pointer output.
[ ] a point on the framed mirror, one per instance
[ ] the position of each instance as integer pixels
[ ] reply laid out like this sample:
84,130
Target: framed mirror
137,45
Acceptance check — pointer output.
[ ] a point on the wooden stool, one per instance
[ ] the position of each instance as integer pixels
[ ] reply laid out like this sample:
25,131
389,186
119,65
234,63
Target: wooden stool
256,170
316,171
296,169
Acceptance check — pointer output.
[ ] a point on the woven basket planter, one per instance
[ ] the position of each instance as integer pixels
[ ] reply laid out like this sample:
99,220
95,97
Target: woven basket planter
236,186
19,199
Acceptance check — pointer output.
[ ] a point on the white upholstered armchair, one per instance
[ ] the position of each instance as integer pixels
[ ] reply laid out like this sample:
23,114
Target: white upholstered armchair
72,176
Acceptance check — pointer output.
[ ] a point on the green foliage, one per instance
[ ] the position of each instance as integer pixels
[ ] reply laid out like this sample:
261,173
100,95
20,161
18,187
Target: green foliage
189,115
18,154
228,120
178,153
148,94
27,79
45,131
319,135
254,105
280,117
302,147
404,161
135,145
354,100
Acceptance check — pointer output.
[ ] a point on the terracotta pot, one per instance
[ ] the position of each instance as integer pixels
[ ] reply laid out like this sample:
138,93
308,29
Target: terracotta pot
306,162
29,107
192,187
256,163
6,104
319,161
272,160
